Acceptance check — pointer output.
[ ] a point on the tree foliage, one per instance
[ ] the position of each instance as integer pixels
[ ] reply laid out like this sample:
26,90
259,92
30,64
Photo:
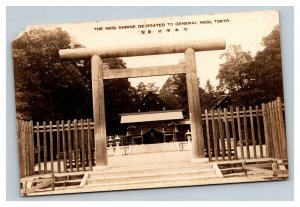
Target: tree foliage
50,89
174,92
253,80
143,89
45,87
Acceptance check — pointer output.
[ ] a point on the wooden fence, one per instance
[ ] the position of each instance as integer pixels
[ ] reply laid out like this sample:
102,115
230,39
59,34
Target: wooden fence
245,133
234,133
26,147
60,147
274,128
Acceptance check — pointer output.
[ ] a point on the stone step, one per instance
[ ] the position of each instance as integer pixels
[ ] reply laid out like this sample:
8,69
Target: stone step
150,167
148,176
232,170
159,182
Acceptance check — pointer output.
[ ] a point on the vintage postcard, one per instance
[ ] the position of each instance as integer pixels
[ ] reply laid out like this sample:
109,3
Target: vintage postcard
150,103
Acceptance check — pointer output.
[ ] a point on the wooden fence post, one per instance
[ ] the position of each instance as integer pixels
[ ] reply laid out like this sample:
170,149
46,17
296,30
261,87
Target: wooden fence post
252,132
215,138
240,132
227,133
31,148
233,133
45,147
51,147
221,133
58,146
282,129
259,132
208,136
266,129
38,143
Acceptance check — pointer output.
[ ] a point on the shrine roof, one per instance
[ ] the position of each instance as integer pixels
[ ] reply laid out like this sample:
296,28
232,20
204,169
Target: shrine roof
151,116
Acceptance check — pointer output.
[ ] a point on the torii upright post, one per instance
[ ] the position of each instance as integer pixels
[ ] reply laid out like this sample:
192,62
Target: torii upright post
192,82
99,111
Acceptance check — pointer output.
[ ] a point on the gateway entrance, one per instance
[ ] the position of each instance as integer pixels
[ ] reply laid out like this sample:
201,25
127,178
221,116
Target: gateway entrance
189,68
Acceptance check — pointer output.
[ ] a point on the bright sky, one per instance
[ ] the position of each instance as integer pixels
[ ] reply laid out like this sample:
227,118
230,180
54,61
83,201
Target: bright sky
245,29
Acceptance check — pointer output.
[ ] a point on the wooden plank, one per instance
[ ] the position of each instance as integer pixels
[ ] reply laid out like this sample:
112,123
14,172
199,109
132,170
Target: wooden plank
252,132
39,186
64,145
38,143
215,138
275,130
70,146
45,147
198,148
89,146
27,158
141,50
221,132
76,145
233,134
246,132
208,150
31,148
99,111
84,180
227,133
279,127
271,132
58,151
240,132
259,170
51,148
282,127
22,148
82,146
143,72
259,133
266,130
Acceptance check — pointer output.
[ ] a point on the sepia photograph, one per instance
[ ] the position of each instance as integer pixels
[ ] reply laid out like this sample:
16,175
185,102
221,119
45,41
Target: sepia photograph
150,103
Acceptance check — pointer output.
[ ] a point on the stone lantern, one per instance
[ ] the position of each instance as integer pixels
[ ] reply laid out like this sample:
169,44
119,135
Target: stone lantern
188,135
117,141
110,141
117,150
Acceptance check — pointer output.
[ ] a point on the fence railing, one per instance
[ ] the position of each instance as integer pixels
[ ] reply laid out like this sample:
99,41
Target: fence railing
274,128
234,133
60,147
239,133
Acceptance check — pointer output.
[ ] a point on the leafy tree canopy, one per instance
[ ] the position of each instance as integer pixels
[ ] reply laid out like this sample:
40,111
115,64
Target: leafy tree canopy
249,80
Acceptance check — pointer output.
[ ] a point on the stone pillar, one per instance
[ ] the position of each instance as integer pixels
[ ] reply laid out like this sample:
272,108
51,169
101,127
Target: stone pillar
198,147
99,112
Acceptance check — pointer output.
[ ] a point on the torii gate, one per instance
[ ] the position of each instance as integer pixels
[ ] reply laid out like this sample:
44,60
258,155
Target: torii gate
189,68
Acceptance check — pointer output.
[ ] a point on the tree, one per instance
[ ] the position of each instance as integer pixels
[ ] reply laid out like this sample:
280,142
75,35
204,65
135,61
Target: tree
252,81
208,96
174,92
234,73
118,97
46,88
267,68
50,89
142,89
